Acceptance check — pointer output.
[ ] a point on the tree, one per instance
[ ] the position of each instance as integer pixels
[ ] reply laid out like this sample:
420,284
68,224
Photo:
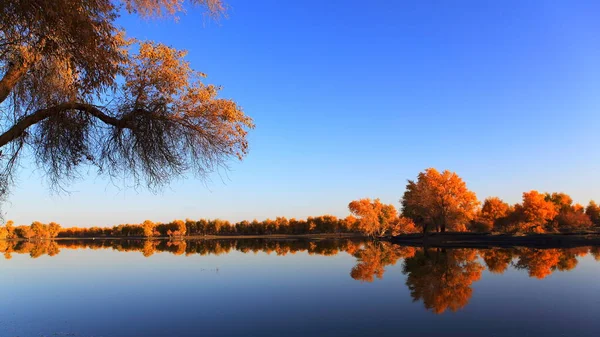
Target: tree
535,211
593,211
440,200
403,225
374,217
53,229
149,228
562,201
76,92
10,230
25,232
7,232
571,220
493,209
179,228
40,230
3,233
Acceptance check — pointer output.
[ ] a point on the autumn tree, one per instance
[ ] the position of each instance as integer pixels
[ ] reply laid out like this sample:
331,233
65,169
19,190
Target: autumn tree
149,228
534,213
53,229
374,217
40,230
572,220
25,232
10,229
562,201
3,233
75,91
439,200
404,225
593,211
569,216
492,210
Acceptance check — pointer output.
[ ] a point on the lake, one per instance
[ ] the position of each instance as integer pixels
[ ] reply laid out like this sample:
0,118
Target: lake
261,287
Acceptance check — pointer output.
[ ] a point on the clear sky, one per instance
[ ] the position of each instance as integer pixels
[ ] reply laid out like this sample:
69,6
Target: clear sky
351,98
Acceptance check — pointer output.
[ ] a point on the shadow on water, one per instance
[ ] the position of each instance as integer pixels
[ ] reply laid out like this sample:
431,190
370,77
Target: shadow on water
440,278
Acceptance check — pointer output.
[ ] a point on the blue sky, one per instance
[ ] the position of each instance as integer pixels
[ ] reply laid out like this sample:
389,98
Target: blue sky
351,98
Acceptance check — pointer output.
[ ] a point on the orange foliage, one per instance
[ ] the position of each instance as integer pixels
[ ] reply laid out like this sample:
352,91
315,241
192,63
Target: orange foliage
442,278
374,218
439,200
374,257
534,213
593,211
497,260
492,211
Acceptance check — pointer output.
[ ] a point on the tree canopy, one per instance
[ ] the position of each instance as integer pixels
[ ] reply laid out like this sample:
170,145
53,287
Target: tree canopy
440,200
75,90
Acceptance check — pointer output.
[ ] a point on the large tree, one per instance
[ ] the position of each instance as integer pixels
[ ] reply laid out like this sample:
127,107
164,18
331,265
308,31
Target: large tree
439,200
74,90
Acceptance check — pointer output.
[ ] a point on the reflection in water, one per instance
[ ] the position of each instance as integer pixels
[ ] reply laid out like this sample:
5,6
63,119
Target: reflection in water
440,278
374,256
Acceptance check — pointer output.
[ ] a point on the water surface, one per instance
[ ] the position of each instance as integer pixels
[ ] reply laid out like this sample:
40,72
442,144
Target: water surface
294,288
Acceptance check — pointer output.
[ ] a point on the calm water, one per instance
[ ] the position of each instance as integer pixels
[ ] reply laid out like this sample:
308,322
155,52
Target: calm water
295,288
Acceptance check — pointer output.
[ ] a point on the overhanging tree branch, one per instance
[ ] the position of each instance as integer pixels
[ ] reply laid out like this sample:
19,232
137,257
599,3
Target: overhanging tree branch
19,128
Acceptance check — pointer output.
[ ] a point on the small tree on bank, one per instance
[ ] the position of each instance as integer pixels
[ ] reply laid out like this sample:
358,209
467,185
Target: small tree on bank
374,217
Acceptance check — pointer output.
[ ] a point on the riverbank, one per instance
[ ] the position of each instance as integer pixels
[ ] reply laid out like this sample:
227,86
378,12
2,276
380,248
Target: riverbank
487,240
219,237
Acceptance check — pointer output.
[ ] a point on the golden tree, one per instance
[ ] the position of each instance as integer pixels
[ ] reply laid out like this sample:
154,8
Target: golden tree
562,201
535,212
439,200
593,211
3,233
374,217
76,91
149,228
492,210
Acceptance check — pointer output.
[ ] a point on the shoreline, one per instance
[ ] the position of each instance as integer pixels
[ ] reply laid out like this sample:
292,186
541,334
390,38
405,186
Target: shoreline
210,237
487,240
441,240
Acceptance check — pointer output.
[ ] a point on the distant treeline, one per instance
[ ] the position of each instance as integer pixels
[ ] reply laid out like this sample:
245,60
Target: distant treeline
435,201
180,228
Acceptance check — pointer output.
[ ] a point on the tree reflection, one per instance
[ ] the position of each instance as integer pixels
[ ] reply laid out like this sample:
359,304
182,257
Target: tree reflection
374,257
442,278
497,260
148,248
